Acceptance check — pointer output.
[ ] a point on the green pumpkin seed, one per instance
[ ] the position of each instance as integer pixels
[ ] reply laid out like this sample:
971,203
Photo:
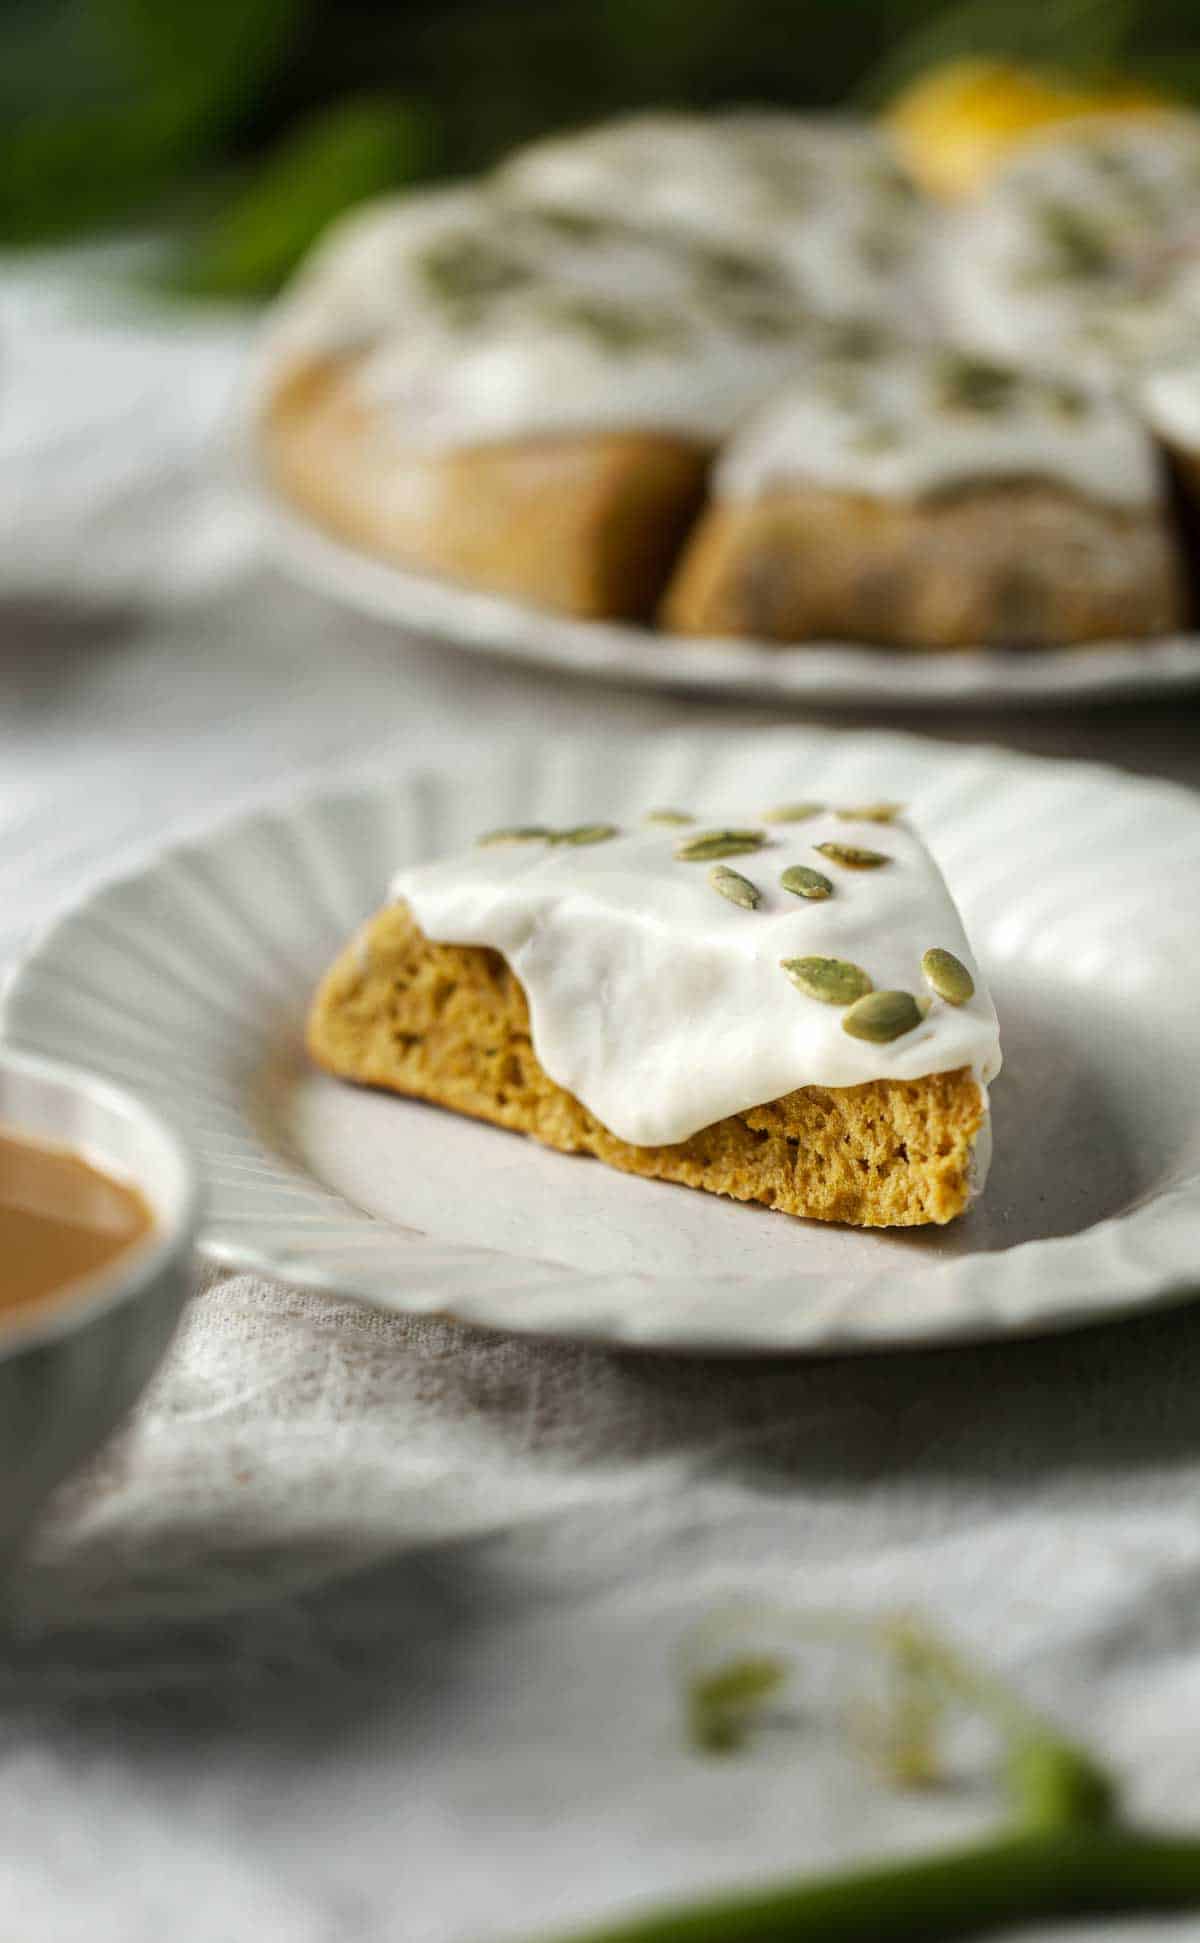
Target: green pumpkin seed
587,833
870,813
668,816
803,882
882,1016
851,856
948,976
835,981
519,833
710,844
738,889
792,812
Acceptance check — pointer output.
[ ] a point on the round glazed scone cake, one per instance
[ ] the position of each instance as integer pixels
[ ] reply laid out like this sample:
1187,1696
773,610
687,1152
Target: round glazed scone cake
821,197
518,401
782,1010
925,498
599,382
1062,260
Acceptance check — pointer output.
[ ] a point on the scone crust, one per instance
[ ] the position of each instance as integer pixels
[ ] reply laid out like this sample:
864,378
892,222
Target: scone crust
450,1024
588,525
1021,565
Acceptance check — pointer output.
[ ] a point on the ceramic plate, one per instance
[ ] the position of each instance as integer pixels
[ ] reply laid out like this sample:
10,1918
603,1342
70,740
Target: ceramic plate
819,672
1081,891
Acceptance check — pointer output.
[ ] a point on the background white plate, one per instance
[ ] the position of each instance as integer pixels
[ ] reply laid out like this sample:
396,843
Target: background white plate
1080,888
817,672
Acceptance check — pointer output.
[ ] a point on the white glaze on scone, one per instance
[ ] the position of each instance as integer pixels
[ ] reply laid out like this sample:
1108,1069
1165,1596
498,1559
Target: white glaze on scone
1062,260
897,421
368,274
663,1007
557,365
822,196
474,321
1170,398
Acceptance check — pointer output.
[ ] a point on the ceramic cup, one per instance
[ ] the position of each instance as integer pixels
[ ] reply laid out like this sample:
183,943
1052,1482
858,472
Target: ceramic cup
70,1369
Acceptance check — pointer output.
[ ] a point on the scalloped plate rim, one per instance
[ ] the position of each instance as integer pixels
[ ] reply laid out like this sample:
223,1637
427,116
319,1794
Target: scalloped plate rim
222,1242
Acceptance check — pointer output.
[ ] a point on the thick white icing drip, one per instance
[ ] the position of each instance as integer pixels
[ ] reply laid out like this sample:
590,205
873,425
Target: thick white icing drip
894,425
1170,398
1168,392
1061,261
557,326
663,1007
528,371
822,196
365,277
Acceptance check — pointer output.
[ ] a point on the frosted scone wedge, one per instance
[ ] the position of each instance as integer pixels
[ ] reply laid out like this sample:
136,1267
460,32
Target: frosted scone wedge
1058,262
781,1008
518,400
915,497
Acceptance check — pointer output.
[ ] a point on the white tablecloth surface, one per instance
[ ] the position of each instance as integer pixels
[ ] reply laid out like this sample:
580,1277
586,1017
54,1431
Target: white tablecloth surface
367,1628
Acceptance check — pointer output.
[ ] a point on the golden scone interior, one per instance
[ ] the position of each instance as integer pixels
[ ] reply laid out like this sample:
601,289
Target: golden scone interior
450,1024
586,524
1022,564
917,497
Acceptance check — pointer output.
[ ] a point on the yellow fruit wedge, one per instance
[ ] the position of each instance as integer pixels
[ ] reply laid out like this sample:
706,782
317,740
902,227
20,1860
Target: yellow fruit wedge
957,123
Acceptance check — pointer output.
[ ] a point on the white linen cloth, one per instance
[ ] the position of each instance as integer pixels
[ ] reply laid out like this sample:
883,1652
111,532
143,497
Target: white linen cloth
370,1628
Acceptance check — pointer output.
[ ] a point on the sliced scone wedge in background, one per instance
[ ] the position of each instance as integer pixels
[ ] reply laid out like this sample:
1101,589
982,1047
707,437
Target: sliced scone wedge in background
916,497
782,1011
587,524
518,401
1059,262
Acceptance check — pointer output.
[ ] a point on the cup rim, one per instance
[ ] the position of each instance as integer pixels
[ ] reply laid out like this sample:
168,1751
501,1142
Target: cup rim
88,1297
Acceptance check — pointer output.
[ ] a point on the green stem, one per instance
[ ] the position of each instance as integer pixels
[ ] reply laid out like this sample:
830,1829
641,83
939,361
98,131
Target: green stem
1011,1878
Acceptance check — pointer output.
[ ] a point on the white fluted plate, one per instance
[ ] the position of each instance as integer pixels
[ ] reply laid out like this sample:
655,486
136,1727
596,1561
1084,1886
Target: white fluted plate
1081,891
820,672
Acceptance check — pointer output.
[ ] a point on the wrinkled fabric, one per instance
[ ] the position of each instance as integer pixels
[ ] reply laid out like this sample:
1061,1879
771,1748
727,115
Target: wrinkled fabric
369,1627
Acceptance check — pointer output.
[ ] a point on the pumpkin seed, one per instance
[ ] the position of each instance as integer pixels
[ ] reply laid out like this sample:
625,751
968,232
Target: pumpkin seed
835,981
710,844
803,882
972,384
948,976
738,889
519,833
586,833
870,813
792,812
882,1016
668,816
852,856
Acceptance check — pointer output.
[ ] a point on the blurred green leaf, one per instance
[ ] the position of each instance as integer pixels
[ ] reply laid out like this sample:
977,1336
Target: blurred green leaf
336,158
69,172
140,110
107,102
215,52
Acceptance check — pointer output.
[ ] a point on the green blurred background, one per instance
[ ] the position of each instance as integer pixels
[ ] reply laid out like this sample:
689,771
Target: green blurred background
241,126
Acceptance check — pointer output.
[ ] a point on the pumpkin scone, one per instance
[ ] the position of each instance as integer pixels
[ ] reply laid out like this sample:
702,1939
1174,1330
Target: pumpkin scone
782,1009
522,401
1060,262
918,497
